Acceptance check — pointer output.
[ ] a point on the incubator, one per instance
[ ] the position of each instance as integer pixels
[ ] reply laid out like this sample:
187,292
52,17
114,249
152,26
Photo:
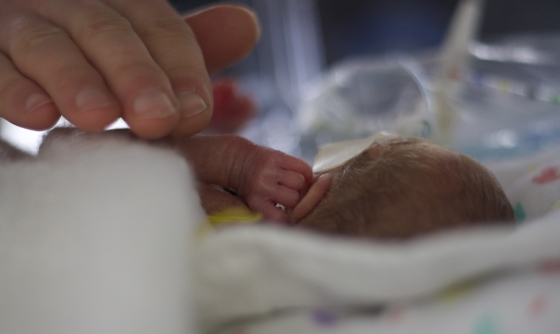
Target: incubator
133,262
491,100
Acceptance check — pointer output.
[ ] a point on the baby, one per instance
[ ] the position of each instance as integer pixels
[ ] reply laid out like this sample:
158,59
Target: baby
400,188
396,188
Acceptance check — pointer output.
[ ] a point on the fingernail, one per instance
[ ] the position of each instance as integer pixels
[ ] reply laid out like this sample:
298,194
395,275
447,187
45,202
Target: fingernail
191,104
92,98
36,101
153,104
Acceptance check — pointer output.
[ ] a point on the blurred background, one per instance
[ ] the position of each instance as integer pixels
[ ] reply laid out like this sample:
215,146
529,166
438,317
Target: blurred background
302,39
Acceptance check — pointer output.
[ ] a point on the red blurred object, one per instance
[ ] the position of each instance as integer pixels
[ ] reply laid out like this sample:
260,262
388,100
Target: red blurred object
232,108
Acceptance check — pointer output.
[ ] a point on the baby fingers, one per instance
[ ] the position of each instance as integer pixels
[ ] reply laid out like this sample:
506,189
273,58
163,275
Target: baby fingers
292,180
264,201
297,165
285,196
270,212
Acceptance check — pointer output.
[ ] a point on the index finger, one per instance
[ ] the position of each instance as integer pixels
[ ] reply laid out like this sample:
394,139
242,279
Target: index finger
174,48
106,42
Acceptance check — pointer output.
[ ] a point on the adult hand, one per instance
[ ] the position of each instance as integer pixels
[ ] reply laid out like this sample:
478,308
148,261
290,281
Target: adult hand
94,61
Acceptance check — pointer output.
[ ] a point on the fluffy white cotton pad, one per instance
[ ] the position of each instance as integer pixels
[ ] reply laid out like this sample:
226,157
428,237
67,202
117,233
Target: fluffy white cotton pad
94,238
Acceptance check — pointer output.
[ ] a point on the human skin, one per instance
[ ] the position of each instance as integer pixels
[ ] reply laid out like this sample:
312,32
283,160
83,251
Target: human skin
309,200
214,200
262,177
94,61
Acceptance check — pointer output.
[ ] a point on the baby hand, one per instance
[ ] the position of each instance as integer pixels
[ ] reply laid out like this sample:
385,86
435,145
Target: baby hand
271,177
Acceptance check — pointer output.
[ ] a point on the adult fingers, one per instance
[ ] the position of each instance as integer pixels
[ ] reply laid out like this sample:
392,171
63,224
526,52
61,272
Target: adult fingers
122,39
23,102
46,54
174,47
91,56
225,33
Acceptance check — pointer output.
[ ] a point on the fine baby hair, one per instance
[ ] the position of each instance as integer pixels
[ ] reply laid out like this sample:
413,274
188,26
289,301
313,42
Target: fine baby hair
401,188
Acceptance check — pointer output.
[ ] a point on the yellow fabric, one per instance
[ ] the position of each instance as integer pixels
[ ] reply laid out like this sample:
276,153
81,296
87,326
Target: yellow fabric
226,217
234,216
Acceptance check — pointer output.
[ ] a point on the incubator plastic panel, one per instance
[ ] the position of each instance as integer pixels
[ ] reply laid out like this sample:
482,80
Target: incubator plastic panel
505,103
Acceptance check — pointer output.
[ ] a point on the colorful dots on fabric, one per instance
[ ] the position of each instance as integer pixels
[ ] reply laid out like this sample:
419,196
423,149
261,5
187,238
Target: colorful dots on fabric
532,169
556,206
538,307
324,318
486,325
550,267
519,213
234,216
395,316
547,175
455,293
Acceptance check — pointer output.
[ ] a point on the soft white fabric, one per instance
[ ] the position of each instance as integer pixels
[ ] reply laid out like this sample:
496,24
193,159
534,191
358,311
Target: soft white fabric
522,302
254,270
94,239
532,184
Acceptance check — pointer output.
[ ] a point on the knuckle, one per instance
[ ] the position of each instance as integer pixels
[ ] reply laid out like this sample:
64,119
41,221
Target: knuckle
184,75
29,39
6,87
104,27
164,27
136,71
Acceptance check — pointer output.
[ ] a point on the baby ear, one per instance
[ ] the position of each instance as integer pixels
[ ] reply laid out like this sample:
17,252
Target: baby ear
313,196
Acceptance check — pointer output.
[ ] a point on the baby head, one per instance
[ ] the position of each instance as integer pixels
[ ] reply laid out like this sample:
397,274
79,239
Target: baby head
401,188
